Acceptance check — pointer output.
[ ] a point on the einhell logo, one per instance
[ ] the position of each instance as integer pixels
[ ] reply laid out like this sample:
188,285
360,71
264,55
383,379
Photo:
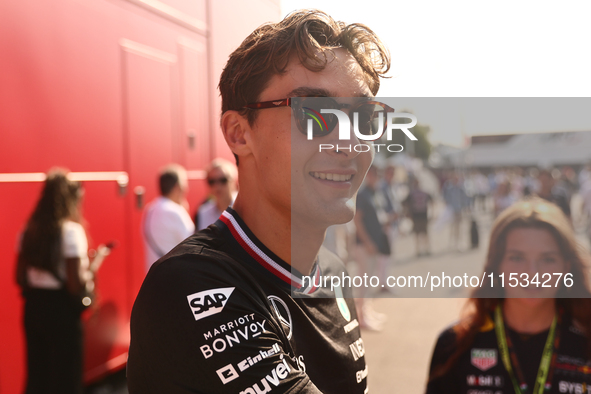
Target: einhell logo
371,120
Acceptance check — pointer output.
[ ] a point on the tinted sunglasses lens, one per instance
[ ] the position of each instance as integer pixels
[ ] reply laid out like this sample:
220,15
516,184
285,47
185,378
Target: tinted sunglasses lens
371,118
310,113
221,181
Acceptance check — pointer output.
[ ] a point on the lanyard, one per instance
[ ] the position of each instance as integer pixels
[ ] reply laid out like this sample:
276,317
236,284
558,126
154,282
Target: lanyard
508,355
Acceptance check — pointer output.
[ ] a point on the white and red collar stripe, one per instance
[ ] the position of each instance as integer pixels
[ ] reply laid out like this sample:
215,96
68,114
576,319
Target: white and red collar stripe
262,258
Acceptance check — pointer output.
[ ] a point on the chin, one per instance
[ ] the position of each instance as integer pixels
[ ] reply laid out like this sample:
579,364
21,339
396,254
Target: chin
340,211
337,213
342,218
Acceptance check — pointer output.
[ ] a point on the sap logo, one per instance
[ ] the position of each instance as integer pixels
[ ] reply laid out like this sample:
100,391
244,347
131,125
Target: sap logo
278,373
574,388
209,302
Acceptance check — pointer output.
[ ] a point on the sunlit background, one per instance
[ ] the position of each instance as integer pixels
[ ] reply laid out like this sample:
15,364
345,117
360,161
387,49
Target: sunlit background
462,48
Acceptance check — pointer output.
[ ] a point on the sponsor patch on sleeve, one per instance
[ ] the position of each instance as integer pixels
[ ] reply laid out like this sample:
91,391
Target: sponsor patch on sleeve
209,302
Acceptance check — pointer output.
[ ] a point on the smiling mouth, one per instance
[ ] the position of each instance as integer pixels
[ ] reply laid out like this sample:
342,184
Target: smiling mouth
332,177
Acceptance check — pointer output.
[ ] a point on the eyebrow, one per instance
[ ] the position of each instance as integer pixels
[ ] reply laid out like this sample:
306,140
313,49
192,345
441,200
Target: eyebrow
304,91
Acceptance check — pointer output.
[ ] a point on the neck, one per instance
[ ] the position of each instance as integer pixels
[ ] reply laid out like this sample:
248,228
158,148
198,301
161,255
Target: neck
270,225
281,237
527,319
305,244
223,203
174,197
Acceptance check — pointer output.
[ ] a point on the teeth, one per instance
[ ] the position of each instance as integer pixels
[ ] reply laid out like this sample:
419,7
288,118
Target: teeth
331,177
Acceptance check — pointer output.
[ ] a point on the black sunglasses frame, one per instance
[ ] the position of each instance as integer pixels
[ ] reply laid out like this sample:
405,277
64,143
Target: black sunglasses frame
302,127
222,181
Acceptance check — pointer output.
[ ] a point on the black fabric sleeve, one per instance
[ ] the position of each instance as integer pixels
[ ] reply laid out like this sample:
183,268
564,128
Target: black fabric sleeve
197,327
447,383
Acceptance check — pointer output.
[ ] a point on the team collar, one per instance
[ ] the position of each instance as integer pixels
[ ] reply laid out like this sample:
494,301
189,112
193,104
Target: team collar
265,257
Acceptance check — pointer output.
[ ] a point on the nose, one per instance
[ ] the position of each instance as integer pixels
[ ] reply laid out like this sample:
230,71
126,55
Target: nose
532,268
347,149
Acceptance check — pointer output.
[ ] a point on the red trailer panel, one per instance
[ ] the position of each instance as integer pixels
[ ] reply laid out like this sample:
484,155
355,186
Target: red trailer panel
112,90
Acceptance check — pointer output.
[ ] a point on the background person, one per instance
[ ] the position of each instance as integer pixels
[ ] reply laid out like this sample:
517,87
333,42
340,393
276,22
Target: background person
503,197
52,271
417,204
551,192
166,221
585,193
456,200
392,206
371,233
222,179
504,343
373,247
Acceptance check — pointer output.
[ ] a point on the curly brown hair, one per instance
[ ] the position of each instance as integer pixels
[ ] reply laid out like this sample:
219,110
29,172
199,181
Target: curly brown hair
305,34
41,241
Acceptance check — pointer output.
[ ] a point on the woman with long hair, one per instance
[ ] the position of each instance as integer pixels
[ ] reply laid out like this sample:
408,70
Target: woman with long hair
531,338
52,270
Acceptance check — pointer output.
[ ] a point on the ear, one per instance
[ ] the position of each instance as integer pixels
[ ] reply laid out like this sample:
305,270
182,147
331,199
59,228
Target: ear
236,132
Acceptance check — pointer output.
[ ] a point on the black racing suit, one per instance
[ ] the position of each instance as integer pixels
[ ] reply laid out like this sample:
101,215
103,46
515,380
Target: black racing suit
217,315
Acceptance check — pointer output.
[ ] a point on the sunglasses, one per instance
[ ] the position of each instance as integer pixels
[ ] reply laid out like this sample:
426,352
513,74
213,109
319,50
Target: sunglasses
368,119
221,181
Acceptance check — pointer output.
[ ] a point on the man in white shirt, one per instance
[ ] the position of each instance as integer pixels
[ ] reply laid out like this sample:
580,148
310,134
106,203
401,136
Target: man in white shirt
166,221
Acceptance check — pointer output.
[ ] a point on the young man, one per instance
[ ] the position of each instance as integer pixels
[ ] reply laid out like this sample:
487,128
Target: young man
227,311
166,221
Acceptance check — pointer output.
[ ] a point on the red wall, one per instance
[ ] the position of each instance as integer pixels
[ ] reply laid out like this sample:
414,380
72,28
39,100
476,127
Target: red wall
107,85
